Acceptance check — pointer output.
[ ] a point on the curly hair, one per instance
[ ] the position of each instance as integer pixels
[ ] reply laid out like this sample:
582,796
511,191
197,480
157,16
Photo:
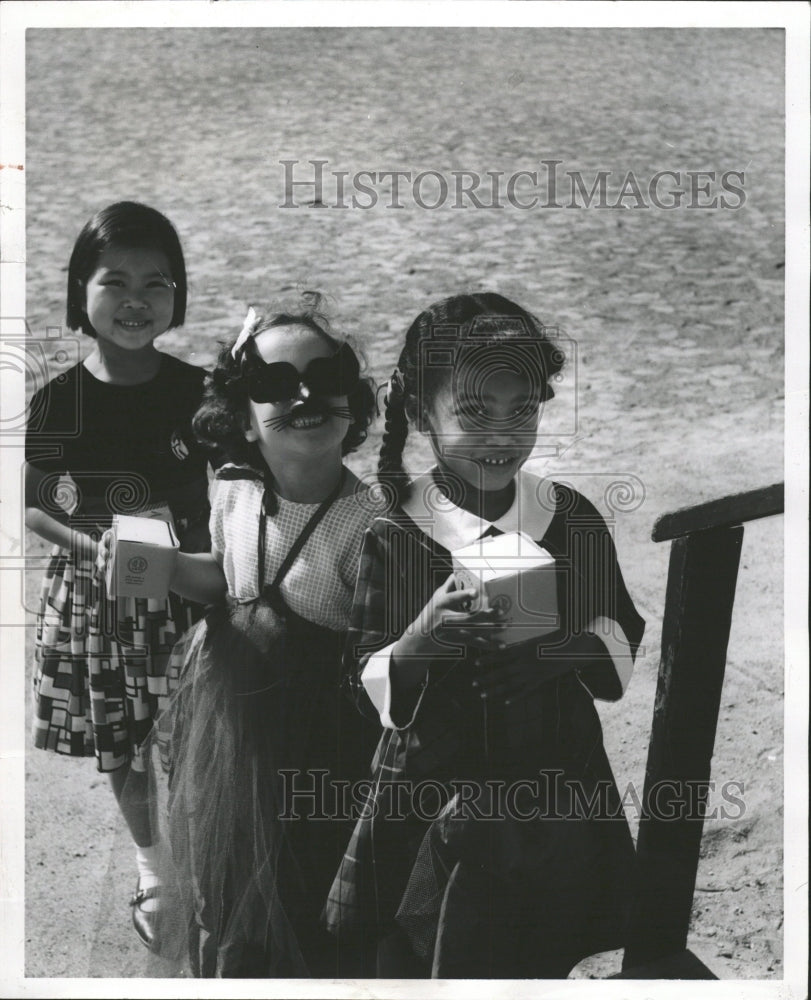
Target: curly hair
222,417
476,323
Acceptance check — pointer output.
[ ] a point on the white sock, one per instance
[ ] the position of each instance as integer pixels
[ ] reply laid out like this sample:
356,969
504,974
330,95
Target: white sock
147,860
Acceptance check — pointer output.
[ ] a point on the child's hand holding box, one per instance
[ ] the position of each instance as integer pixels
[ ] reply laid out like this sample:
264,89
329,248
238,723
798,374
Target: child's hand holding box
143,553
514,574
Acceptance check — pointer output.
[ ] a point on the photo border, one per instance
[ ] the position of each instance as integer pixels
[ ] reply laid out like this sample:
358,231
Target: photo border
15,17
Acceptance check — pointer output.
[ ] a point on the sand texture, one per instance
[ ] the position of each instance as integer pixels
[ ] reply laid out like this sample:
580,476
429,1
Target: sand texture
674,321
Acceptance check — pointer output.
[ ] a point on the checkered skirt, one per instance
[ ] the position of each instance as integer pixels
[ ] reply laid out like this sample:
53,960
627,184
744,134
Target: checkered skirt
104,667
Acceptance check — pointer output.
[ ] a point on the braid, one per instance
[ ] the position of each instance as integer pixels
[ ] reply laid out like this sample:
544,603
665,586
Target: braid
403,384
390,470
456,322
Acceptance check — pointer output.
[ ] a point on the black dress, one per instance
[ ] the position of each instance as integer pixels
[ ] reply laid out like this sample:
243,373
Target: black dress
481,881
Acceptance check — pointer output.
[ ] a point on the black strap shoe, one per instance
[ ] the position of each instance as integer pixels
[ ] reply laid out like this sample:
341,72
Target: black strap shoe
144,921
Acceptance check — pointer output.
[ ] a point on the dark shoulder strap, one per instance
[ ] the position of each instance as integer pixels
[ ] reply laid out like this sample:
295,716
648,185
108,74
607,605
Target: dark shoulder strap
300,541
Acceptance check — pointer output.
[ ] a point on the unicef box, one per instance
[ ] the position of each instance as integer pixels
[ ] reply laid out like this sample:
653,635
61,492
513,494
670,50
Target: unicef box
143,555
513,573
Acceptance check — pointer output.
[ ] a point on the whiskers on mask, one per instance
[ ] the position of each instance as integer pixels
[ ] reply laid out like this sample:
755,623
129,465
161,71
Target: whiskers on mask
284,420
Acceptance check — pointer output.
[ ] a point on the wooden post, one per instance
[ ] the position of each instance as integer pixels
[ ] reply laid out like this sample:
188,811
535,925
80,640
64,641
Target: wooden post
695,632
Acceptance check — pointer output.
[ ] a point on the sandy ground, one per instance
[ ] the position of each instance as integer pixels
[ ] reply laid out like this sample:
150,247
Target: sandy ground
676,316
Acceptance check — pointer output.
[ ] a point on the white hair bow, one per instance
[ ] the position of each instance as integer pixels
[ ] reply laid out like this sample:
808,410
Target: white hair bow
251,321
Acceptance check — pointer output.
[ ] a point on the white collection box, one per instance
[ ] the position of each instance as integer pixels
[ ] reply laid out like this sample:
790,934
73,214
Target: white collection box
513,573
142,558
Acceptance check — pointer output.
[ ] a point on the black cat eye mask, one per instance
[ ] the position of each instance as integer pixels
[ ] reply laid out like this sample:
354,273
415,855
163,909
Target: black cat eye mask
337,375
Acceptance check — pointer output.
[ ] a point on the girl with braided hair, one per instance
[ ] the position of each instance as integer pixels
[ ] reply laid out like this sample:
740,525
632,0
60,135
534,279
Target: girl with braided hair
473,857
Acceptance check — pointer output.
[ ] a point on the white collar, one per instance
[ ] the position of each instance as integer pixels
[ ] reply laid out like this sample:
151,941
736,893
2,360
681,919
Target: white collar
452,527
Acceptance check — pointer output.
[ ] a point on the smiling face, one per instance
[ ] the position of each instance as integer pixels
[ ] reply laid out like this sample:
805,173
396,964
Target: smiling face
483,429
129,297
301,426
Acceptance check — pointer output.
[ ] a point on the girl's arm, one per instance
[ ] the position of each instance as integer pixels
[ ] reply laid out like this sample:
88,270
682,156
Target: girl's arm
441,623
198,577
372,629
391,643
53,527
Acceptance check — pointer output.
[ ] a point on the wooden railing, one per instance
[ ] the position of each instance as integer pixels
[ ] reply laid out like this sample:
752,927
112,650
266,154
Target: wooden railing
704,557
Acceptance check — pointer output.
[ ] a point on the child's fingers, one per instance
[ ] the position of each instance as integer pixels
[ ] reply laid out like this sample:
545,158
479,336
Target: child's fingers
460,599
491,617
105,544
489,641
485,625
103,553
449,618
448,586
481,621
485,643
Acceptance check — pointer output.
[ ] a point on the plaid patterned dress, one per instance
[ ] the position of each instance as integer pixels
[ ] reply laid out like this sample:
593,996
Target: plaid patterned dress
104,667
441,855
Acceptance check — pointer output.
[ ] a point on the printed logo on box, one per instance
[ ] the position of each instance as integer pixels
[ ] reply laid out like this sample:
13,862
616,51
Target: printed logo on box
502,603
143,556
